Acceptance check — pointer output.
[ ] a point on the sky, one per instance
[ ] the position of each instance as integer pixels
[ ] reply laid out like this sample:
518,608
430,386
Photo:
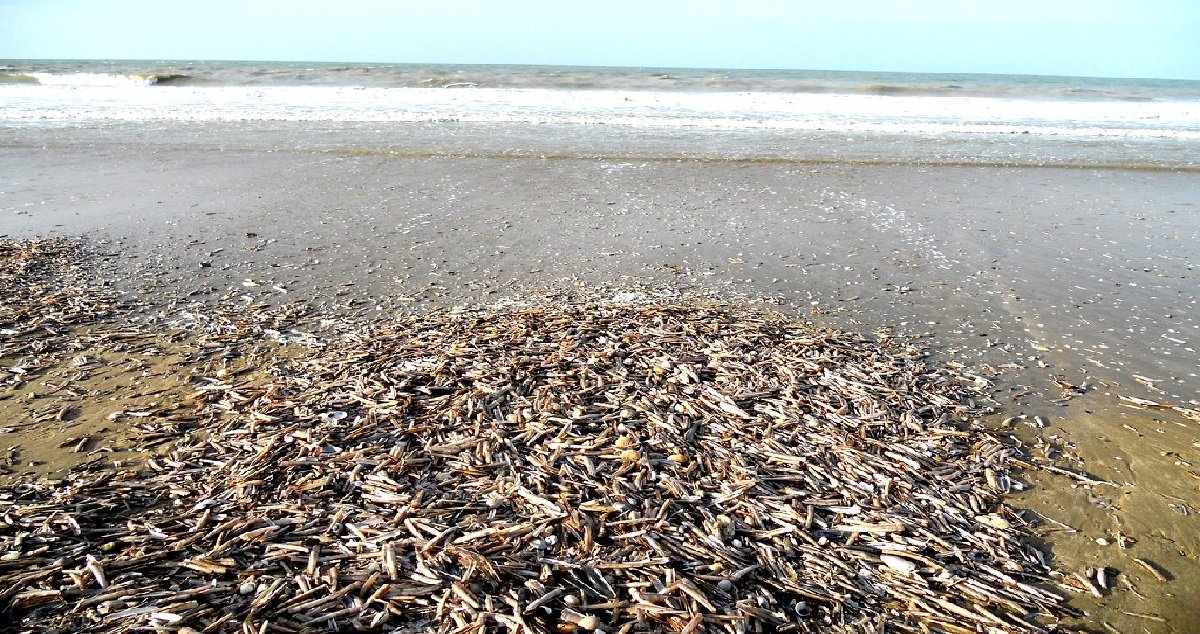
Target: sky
1104,38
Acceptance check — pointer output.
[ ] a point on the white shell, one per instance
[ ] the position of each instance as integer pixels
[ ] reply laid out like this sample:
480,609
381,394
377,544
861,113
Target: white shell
899,564
995,521
589,622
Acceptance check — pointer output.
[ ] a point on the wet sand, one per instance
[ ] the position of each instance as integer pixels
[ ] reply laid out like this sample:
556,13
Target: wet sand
1085,276
997,263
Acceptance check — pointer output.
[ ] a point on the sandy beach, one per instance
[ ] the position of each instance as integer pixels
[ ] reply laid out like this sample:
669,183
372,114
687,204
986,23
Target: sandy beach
1070,288
998,264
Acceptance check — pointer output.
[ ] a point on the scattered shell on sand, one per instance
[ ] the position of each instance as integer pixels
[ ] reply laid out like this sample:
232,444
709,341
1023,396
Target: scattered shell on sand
775,475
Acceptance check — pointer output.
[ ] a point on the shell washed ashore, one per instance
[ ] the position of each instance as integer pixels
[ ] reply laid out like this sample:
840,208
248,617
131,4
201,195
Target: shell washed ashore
46,286
581,467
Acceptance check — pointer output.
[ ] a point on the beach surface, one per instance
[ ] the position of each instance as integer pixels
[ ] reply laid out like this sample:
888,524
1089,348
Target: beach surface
1096,265
1070,288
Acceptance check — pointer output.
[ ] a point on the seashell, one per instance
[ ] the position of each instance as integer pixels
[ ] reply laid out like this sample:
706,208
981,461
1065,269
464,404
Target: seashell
331,417
205,503
993,520
821,459
899,564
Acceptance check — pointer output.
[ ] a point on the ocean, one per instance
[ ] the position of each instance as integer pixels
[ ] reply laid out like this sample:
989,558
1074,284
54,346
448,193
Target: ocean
645,112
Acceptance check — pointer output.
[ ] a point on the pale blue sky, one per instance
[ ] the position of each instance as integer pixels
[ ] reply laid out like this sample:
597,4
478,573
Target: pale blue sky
1127,38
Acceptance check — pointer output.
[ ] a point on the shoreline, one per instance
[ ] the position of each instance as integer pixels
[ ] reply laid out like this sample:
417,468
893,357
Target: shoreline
1000,249
614,142
717,230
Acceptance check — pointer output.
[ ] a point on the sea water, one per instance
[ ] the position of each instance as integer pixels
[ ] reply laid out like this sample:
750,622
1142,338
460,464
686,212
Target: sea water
651,112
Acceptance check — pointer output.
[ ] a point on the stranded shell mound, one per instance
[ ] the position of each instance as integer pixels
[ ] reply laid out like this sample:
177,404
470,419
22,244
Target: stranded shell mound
585,467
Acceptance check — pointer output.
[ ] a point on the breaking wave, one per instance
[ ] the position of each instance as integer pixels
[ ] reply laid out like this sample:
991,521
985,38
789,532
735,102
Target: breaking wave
95,80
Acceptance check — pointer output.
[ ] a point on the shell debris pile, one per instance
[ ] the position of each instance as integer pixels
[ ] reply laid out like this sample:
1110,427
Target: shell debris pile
46,286
585,467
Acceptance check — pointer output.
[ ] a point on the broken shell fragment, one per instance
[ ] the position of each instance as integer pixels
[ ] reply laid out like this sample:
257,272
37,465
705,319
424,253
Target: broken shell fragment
331,417
993,520
899,564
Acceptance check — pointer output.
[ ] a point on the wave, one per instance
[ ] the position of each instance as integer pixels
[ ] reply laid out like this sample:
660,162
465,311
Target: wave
96,80
91,97
900,86
894,90
886,89
167,79
441,82
17,78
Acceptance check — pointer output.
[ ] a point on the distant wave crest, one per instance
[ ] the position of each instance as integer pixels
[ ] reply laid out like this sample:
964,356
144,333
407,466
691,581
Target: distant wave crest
17,78
165,79
93,80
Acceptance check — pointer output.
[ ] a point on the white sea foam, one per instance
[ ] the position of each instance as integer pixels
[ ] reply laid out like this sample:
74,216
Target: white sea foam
105,97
